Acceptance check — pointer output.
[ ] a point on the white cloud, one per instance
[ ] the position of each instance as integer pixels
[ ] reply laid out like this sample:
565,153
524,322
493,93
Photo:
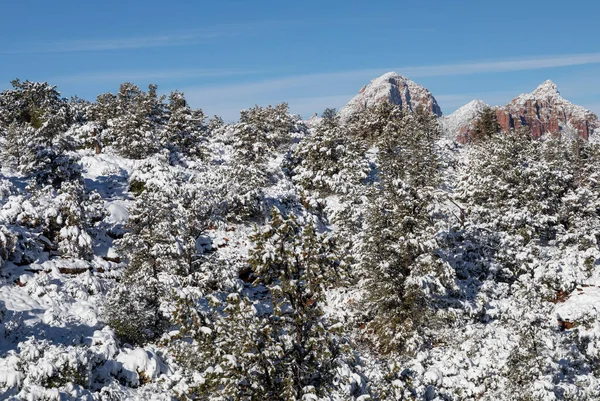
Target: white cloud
154,75
502,65
134,42
332,85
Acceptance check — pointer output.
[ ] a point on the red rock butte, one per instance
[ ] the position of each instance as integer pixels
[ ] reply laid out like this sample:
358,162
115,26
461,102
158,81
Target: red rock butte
544,111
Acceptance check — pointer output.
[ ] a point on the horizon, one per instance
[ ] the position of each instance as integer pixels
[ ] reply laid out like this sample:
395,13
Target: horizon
229,56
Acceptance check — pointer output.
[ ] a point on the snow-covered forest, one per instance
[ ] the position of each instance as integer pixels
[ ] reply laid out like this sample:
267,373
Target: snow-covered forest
150,252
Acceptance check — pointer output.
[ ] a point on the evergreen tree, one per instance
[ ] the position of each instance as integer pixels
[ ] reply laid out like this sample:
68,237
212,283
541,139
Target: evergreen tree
35,118
398,253
329,160
486,125
36,105
69,223
134,310
185,128
160,245
137,120
293,352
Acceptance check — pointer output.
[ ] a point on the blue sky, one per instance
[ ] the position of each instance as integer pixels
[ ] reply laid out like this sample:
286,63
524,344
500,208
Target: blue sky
227,55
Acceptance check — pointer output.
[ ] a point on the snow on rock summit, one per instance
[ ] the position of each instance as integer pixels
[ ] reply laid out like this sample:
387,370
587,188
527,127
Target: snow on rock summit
544,111
394,88
462,118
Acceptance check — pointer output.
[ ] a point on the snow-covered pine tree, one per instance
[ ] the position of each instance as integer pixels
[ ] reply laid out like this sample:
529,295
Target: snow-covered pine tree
37,105
150,246
185,131
160,248
69,222
329,160
404,274
486,125
139,117
245,352
259,134
34,118
296,265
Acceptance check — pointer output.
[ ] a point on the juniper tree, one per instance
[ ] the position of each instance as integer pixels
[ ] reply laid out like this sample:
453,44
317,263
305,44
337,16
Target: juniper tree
329,160
245,353
398,252
486,125
185,129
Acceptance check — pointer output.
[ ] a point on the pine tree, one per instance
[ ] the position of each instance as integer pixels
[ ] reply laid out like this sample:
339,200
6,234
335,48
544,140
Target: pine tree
398,253
329,160
185,129
36,105
247,354
160,245
486,125
139,117
134,312
69,225
35,119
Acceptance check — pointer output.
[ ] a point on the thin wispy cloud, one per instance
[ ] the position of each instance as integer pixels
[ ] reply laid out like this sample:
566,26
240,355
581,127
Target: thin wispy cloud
412,72
156,76
182,38
536,63
329,85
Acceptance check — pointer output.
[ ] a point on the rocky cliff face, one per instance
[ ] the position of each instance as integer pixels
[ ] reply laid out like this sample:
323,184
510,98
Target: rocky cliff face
396,89
461,121
544,111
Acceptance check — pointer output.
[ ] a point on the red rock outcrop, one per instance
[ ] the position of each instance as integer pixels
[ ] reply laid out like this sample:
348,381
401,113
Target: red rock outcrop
544,111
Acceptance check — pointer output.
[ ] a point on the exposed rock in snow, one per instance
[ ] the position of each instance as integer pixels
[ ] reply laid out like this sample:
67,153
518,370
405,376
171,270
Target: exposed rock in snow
462,118
396,89
544,111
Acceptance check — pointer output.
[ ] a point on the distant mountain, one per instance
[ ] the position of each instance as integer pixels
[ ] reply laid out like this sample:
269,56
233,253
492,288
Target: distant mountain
462,119
544,111
395,89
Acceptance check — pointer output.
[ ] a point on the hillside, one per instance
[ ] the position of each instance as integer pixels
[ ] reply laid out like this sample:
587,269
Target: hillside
150,253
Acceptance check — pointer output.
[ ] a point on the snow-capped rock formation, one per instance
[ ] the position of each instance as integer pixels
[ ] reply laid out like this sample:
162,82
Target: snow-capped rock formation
394,88
544,111
462,119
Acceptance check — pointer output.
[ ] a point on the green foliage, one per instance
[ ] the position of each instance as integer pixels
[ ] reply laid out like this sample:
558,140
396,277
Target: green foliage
245,354
137,187
329,160
398,253
160,244
486,125
185,130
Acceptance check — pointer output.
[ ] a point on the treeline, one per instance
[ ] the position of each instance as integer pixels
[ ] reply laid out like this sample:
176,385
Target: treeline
429,234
